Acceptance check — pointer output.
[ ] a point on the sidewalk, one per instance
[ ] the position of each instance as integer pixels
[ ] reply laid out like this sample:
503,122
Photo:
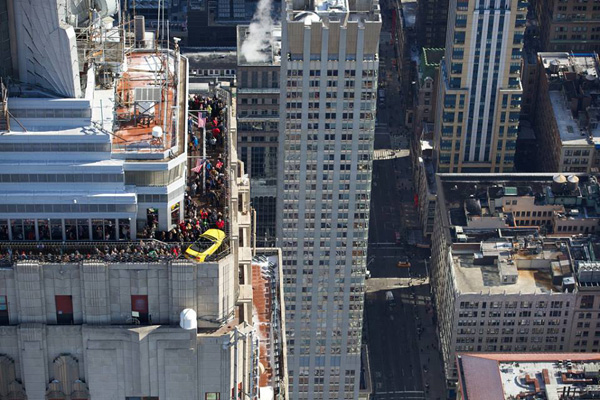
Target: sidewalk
431,360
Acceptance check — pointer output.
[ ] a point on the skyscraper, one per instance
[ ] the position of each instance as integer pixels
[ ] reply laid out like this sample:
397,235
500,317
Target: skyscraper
327,120
480,91
431,22
258,127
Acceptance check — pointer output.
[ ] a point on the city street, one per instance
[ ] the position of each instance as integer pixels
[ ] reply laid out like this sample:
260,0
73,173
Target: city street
401,338
400,334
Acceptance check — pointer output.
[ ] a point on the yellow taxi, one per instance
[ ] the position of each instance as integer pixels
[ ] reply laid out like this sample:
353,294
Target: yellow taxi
404,263
210,241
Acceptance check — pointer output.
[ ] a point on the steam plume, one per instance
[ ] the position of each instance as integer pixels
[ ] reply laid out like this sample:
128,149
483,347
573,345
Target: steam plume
259,33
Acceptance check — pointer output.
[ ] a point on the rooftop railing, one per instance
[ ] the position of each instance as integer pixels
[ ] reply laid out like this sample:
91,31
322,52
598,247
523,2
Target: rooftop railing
142,251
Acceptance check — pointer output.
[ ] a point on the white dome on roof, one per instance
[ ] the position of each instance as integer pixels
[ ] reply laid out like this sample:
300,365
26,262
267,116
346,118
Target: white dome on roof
188,319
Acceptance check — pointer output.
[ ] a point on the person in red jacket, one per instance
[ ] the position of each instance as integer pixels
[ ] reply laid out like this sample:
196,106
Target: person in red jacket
220,224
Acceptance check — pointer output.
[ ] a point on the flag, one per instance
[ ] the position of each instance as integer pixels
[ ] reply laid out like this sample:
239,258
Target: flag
201,121
199,166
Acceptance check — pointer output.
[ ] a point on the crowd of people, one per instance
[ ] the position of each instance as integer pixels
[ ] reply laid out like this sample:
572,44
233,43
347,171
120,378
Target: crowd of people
198,220
142,251
206,184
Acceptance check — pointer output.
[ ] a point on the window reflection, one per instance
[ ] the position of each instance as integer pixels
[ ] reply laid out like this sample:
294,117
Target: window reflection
83,229
71,229
110,233
29,229
43,229
3,229
97,229
17,229
124,229
56,229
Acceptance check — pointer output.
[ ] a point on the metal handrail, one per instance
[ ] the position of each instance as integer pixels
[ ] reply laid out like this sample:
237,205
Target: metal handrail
146,250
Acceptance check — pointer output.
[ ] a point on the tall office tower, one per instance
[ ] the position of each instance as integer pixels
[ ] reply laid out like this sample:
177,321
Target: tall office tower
568,25
431,23
258,125
480,92
327,121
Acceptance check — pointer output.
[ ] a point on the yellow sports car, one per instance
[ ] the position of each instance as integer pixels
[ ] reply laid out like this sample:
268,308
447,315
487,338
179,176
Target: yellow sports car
206,245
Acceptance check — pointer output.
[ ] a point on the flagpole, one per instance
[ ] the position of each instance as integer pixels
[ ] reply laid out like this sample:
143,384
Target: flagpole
204,156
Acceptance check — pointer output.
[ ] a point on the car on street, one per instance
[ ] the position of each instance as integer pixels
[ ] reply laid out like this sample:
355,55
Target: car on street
389,297
404,262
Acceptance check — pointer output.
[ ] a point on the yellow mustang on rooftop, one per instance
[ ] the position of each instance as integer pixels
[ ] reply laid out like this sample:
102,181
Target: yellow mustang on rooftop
210,241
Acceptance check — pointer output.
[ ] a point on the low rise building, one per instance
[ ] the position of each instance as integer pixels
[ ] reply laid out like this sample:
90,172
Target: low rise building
424,178
210,66
426,88
506,263
567,111
552,376
568,25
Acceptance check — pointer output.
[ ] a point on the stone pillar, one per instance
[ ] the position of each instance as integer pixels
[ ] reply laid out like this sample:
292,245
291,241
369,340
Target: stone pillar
30,292
95,293
33,360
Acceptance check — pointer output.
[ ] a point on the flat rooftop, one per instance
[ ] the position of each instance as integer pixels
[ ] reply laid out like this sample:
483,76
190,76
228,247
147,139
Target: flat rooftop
533,271
458,187
258,48
496,376
573,76
211,60
148,103
468,197
315,10
429,61
266,302
570,132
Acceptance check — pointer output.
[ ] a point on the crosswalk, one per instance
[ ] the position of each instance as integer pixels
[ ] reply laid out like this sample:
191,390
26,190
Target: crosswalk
400,395
388,154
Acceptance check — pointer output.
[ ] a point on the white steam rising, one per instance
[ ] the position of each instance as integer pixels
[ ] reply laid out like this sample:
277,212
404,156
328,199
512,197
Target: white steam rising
259,33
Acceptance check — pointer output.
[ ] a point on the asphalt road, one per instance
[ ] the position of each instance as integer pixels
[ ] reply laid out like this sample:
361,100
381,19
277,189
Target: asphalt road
401,339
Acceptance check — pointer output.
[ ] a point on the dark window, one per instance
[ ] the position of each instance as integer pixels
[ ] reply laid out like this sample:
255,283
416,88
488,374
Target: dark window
587,301
64,310
3,310
139,308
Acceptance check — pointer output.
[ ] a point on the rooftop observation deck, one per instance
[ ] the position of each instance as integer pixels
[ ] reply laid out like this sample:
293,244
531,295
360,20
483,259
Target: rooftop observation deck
150,104
152,245
141,251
